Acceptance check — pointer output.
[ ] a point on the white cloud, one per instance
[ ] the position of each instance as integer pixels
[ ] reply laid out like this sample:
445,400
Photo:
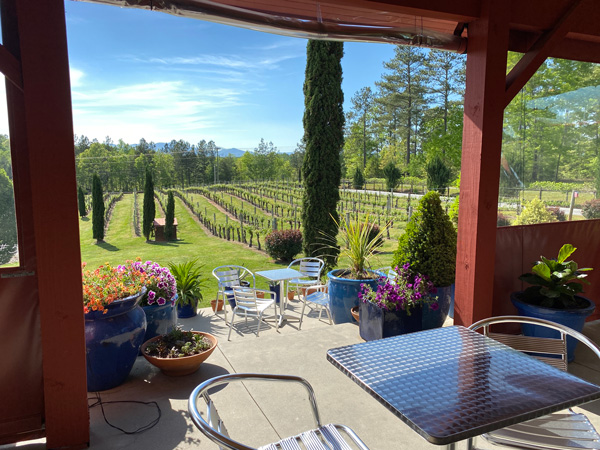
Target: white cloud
76,76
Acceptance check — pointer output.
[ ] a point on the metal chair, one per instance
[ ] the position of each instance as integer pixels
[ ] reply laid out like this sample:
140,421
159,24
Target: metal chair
563,430
311,269
247,303
319,298
322,437
229,276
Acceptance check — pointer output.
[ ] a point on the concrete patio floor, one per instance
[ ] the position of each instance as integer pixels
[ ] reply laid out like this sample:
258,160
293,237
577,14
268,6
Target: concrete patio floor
283,410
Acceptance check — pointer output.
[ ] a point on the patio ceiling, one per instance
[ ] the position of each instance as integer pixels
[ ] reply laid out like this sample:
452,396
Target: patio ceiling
429,23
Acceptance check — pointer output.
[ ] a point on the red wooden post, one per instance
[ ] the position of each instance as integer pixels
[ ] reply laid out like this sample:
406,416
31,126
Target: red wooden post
42,126
482,142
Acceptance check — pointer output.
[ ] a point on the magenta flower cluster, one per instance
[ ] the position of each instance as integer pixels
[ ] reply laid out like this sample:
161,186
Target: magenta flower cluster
161,284
401,289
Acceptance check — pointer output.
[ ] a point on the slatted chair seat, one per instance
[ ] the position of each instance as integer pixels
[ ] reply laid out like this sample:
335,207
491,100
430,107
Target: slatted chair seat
319,298
563,430
322,437
228,277
311,269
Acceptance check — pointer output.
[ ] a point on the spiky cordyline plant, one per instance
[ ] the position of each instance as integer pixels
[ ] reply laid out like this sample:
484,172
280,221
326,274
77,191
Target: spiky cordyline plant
359,245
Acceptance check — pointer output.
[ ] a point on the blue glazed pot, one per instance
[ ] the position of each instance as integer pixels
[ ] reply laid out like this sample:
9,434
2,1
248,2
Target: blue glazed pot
436,318
186,311
572,318
112,342
377,323
276,291
159,319
343,295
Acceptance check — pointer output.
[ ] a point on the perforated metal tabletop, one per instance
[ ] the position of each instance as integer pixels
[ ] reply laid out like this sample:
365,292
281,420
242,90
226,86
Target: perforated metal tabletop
451,383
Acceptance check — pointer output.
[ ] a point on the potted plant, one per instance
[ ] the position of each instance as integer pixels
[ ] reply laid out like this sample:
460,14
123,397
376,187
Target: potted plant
161,296
179,352
554,295
114,323
429,246
190,282
396,305
359,247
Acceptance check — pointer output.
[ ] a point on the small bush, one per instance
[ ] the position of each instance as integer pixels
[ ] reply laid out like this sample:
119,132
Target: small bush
591,209
438,175
283,244
534,212
502,220
557,213
453,211
358,180
373,232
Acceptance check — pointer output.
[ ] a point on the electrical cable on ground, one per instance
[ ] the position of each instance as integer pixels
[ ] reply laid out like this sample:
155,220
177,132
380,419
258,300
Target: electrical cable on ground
99,402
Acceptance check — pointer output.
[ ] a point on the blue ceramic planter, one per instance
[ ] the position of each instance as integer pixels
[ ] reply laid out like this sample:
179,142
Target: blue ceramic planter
276,292
572,318
186,311
159,319
112,342
376,323
436,318
343,295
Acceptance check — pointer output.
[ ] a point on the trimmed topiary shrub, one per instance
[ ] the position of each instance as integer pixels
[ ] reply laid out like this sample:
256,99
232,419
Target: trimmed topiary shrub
81,202
429,242
283,244
170,218
591,209
97,209
534,212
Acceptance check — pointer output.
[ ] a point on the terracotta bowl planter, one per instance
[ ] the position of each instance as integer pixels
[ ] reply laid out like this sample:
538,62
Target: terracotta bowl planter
177,367
219,307
354,312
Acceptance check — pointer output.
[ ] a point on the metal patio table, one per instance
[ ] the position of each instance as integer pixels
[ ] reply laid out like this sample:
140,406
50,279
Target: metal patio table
281,275
452,384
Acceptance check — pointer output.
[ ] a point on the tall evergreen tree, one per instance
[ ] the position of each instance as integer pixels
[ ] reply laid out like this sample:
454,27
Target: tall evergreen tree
403,96
81,202
97,209
170,218
324,137
149,210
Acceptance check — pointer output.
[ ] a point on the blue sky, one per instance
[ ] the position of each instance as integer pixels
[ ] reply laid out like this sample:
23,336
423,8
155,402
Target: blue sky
138,73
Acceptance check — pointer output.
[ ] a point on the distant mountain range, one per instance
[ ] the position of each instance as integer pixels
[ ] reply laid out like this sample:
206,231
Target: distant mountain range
223,152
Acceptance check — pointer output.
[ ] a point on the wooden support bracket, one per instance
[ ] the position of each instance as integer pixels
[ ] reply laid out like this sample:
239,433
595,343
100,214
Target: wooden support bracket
11,67
540,50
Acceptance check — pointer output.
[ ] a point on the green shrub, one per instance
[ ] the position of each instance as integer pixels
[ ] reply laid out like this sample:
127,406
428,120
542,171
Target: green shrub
392,176
453,212
358,179
429,242
557,214
81,202
534,212
502,220
97,209
283,244
149,209
438,175
591,209
170,218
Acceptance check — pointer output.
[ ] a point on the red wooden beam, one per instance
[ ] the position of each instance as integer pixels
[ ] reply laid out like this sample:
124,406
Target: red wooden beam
541,49
480,168
44,125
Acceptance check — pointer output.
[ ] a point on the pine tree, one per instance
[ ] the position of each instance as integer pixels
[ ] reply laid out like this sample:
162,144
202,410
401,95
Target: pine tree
97,209
403,96
358,180
170,218
149,210
324,137
81,202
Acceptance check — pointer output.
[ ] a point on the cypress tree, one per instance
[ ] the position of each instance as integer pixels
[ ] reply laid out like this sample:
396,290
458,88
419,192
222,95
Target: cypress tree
170,218
97,209
149,210
324,138
81,202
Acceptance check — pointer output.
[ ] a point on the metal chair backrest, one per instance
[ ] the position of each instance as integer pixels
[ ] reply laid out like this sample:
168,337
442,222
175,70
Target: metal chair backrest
309,267
246,298
229,276
552,351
